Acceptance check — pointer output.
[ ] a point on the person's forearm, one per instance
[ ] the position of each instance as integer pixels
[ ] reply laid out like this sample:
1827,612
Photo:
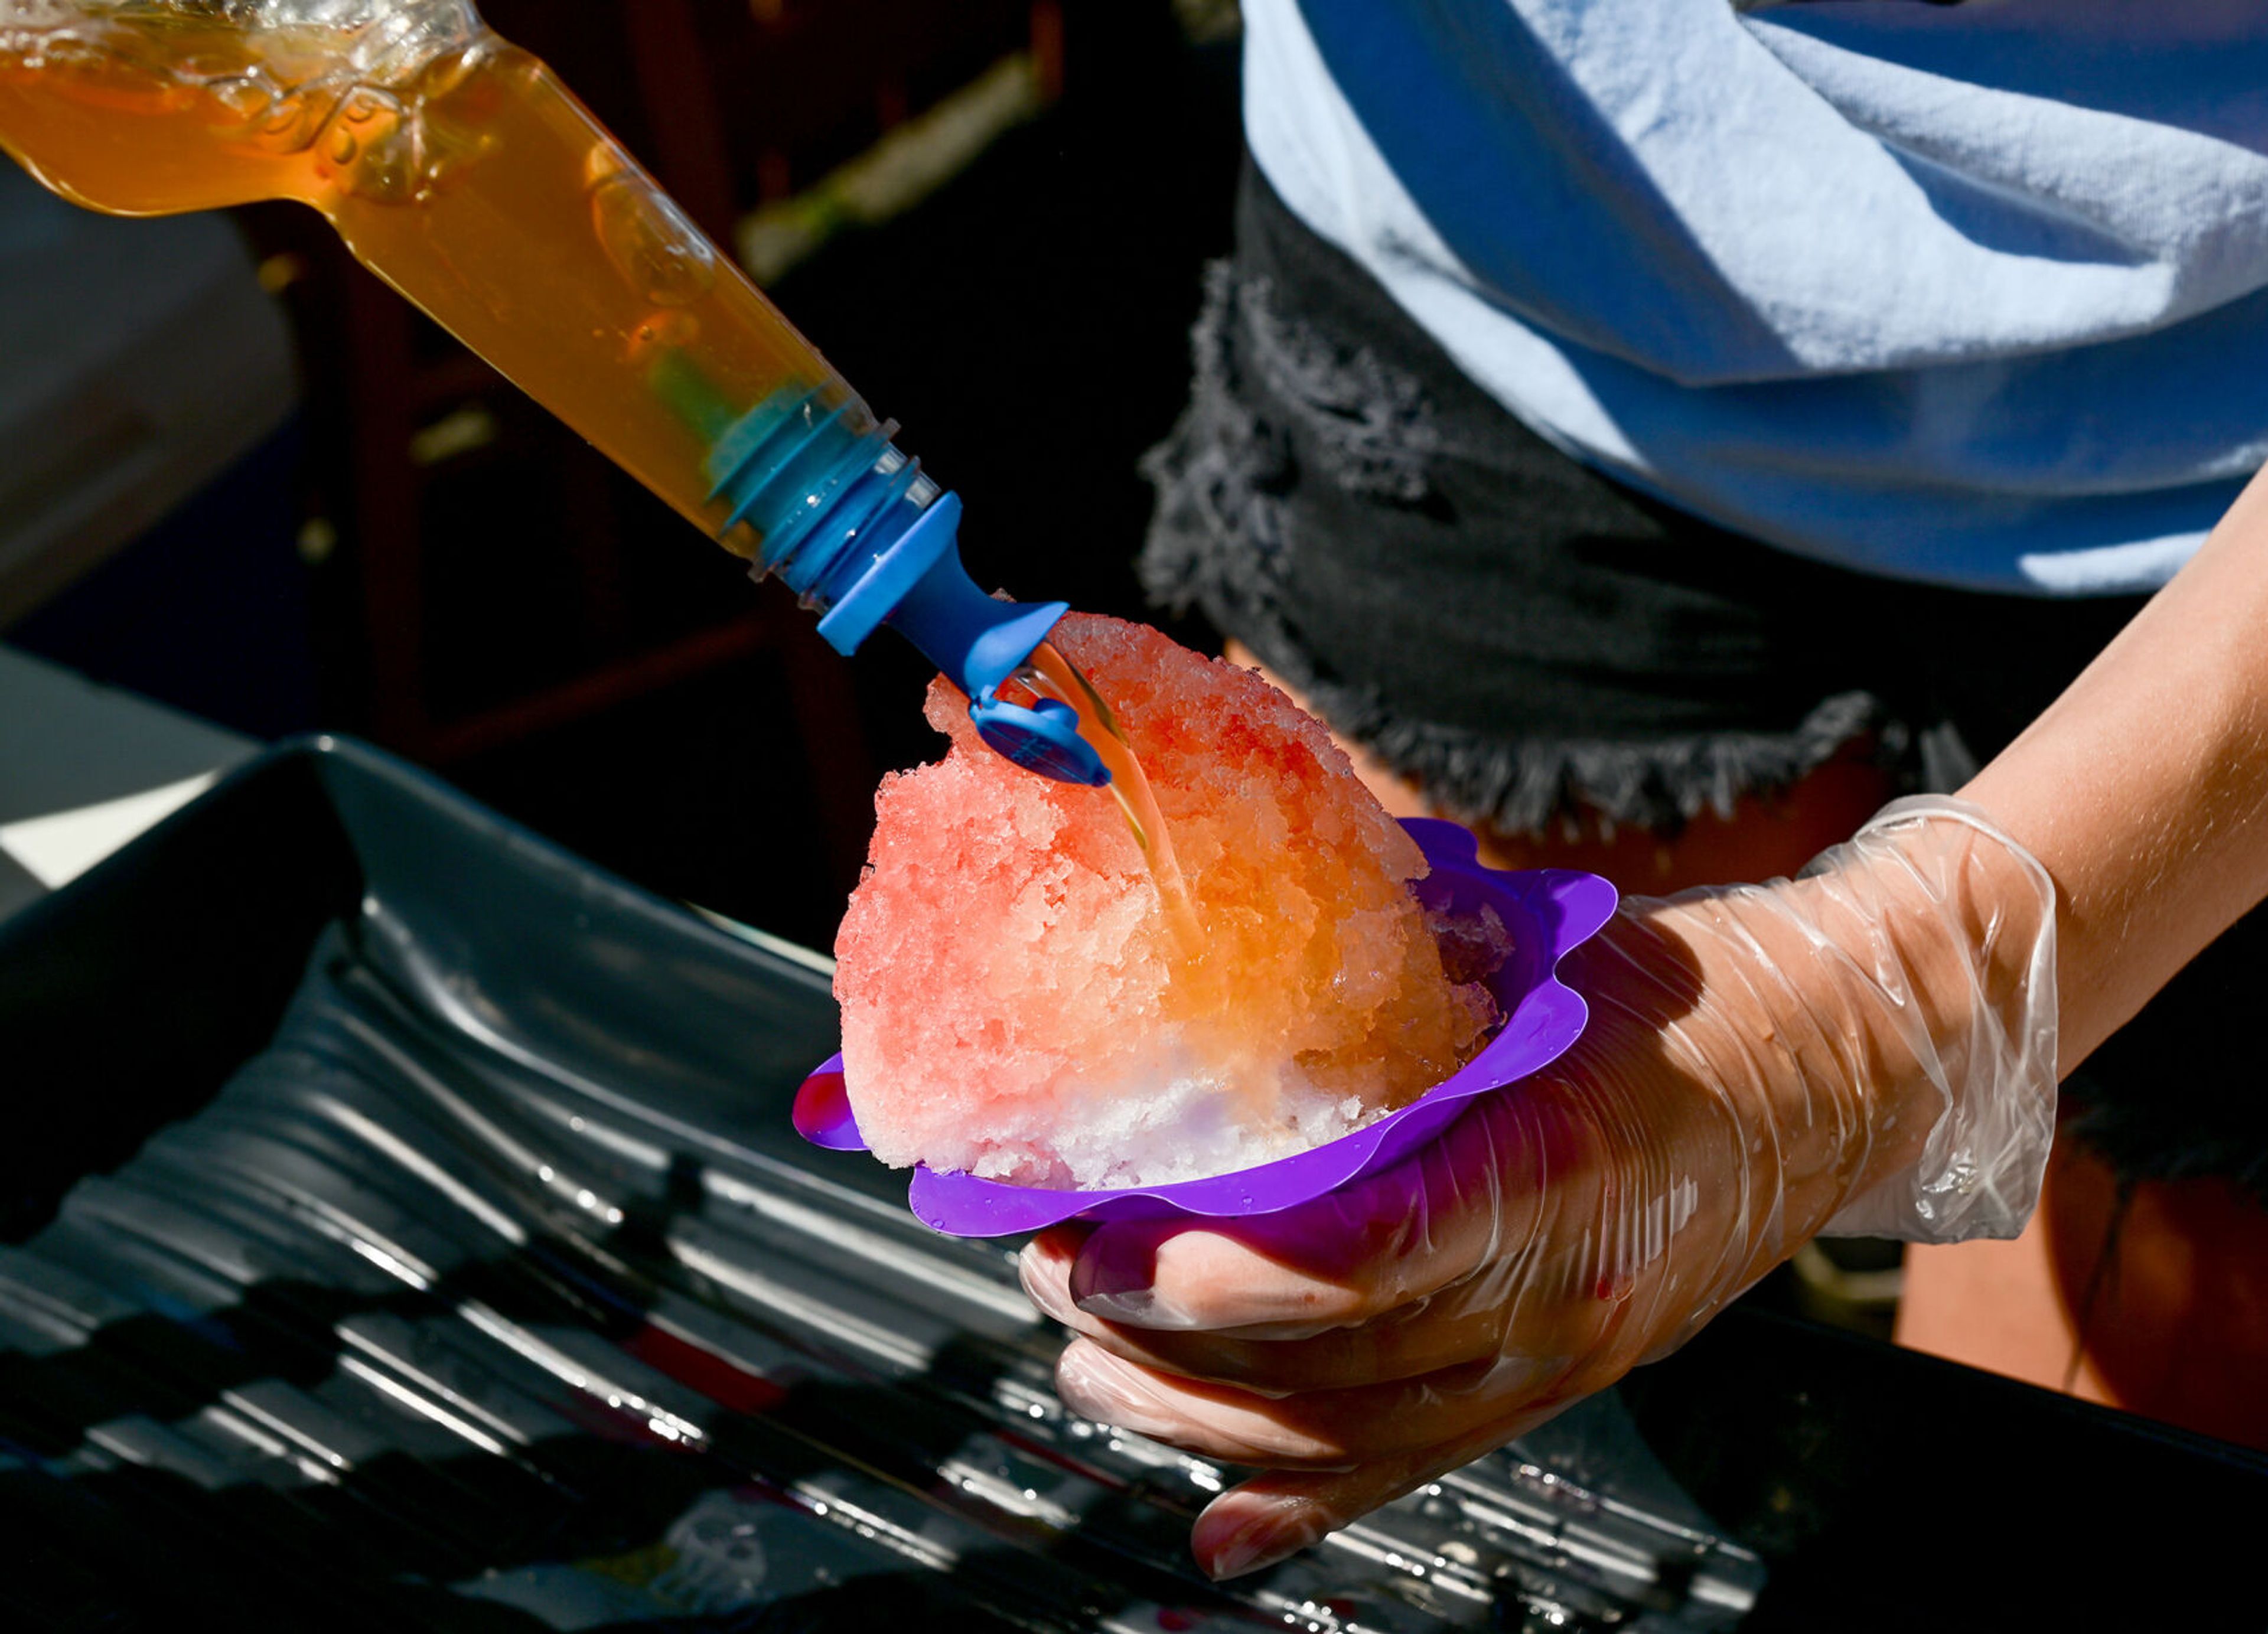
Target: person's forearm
2143,788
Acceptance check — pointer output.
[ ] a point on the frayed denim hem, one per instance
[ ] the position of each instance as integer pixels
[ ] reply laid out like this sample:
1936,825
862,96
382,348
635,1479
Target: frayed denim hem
1216,545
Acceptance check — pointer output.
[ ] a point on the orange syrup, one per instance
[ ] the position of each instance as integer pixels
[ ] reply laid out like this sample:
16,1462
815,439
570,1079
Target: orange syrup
467,176
1050,674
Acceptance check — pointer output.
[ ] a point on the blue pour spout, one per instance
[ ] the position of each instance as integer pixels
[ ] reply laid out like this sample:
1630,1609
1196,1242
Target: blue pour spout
862,536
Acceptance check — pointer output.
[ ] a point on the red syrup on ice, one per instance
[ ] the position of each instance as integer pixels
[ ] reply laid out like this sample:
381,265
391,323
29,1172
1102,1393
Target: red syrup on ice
1015,1005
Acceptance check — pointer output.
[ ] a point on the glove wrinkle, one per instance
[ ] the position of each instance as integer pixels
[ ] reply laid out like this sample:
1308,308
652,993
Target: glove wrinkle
1867,1050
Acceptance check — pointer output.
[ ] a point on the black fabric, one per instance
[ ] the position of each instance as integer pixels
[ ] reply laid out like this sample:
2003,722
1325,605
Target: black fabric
1530,640
1522,635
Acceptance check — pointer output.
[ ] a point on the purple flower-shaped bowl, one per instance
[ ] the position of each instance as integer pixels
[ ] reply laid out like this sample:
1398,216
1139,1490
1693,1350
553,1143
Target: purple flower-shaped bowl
1549,912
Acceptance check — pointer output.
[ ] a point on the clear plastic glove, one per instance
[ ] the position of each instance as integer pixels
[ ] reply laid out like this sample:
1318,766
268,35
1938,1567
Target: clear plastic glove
1870,1048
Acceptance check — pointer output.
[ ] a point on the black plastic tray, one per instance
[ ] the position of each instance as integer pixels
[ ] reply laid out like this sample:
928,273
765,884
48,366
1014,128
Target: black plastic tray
405,1231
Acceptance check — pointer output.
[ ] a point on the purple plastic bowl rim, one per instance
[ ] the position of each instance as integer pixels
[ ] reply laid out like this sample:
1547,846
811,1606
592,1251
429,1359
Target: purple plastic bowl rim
1545,1017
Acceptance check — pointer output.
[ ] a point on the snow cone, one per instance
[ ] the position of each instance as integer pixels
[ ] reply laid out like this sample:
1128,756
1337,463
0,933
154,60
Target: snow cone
1018,1005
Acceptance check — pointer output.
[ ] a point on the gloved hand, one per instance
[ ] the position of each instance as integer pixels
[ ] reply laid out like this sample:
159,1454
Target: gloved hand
1870,1048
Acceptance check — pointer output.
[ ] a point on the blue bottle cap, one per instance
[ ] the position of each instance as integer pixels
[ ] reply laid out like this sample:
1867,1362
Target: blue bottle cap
857,532
1043,738
918,586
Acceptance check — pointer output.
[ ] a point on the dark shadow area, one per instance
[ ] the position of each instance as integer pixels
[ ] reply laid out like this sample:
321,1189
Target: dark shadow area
1904,1492
349,1552
239,886
209,610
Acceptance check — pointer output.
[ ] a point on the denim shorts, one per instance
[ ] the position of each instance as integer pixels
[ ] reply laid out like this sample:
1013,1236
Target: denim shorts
1529,640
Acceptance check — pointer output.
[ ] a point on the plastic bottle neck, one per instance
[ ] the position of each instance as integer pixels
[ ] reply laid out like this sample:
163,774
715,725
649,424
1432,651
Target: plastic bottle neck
866,539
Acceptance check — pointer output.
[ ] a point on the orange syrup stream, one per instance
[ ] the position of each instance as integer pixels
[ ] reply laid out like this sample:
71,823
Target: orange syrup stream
1050,674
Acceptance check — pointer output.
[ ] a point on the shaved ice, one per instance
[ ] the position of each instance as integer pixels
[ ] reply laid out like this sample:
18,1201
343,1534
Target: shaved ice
1016,1005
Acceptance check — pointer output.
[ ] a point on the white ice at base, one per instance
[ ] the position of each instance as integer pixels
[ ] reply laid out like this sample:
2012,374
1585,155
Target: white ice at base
1192,1128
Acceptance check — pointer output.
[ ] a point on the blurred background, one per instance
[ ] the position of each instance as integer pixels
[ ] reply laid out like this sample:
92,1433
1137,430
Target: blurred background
244,479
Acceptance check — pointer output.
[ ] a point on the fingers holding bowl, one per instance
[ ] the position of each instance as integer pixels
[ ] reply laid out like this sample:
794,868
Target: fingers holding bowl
1328,1457
1458,1326
1472,1197
1336,1429
1274,1515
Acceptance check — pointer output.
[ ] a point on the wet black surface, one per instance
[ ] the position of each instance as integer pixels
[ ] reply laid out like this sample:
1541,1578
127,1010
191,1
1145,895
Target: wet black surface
408,1232
404,1231
1887,1489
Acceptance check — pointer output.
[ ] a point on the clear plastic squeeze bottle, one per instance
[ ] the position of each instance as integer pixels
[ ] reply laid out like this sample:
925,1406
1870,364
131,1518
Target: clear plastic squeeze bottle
462,171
